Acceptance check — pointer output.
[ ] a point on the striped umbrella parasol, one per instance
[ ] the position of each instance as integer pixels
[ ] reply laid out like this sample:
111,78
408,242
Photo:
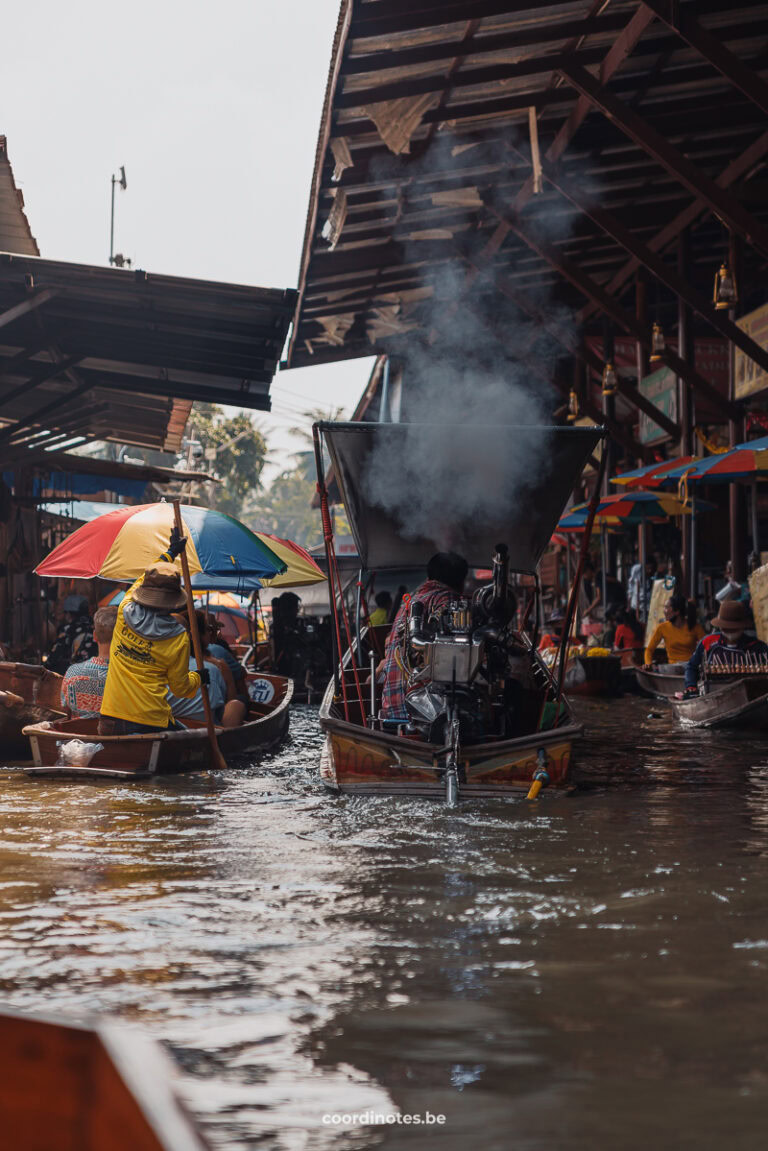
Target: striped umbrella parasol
122,543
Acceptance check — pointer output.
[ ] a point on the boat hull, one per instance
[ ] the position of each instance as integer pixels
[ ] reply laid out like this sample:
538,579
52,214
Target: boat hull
359,761
661,684
742,704
164,753
73,1087
29,693
599,675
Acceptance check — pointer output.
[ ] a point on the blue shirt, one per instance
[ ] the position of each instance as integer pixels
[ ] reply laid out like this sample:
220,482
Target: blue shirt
193,708
715,647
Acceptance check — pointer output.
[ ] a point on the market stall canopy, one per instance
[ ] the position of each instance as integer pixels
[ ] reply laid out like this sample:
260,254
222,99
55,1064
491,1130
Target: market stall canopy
120,355
411,490
748,461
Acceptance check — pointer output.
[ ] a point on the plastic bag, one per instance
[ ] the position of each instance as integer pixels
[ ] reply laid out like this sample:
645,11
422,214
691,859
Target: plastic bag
77,753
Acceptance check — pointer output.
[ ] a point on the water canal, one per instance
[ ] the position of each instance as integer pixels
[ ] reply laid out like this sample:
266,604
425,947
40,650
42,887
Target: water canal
586,972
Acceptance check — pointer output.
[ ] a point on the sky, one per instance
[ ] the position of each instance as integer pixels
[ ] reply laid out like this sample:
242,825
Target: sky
213,109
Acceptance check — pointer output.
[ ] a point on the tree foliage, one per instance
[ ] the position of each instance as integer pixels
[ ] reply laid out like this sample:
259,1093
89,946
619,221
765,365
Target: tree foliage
240,454
285,508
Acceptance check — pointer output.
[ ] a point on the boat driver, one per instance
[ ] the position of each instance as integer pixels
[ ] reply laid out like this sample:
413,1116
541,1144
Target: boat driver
149,652
729,643
446,573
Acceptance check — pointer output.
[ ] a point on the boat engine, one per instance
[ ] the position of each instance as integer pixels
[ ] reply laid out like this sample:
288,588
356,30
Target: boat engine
464,663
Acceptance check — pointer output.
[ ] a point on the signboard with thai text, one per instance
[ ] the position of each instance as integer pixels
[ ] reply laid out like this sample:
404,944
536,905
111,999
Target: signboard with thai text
661,389
749,376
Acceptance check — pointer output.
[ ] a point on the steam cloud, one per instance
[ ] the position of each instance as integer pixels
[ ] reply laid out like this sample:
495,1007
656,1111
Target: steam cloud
469,377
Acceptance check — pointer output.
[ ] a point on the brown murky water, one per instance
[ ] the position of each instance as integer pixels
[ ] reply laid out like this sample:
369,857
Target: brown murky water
585,972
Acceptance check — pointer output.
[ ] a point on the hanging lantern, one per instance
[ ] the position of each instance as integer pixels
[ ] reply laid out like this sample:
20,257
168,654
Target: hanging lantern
573,406
725,295
609,379
657,344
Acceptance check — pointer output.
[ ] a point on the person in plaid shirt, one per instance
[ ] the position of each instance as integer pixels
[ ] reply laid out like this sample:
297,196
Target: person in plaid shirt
82,689
446,573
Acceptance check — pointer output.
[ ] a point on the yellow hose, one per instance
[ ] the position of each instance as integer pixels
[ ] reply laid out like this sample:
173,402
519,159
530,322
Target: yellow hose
536,787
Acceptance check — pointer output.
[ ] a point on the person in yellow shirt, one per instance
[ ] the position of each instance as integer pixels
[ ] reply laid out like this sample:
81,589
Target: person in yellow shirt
380,613
680,631
149,653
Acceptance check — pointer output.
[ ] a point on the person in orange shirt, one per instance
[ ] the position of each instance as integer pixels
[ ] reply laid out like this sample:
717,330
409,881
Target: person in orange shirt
680,631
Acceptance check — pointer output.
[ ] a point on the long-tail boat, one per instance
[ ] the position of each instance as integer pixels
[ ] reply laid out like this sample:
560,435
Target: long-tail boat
74,748
662,681
29,693
486,716
66,1086
730,696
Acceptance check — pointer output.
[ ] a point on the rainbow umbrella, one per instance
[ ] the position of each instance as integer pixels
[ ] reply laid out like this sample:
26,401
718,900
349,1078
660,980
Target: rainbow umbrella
742,462
635,507
653,475
300,571
122,543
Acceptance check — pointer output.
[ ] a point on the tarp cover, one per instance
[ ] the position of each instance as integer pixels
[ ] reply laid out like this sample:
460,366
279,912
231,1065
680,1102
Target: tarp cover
411,490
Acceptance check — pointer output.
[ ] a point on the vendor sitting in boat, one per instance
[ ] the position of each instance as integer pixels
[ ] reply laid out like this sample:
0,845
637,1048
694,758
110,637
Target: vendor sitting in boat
226,708
149,652
446,573
74,641
728,644
82,688
680,631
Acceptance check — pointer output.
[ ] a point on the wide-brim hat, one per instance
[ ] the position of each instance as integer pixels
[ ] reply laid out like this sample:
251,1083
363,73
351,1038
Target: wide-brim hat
733,613
161,588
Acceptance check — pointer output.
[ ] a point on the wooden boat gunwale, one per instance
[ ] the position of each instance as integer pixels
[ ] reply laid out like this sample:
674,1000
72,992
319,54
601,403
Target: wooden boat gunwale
89,1083
234,740
432,757
650,681
710,705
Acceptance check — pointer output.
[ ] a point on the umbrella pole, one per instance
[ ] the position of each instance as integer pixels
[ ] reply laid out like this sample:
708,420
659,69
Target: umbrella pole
643,596
218,758
603,561
694,573
755,541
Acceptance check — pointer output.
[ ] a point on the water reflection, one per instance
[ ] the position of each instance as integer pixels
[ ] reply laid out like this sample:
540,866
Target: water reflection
579,972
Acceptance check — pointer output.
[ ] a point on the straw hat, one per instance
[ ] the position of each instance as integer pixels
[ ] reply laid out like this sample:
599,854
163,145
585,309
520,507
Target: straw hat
732,615
161,588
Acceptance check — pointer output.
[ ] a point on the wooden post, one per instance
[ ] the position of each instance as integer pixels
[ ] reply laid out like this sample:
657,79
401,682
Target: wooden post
218,758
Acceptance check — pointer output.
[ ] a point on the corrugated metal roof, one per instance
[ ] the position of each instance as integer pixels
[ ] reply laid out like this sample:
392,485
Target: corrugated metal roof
15,232
424,161
121,355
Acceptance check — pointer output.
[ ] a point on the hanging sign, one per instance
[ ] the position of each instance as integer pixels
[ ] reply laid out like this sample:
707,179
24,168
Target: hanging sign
661,389
749,376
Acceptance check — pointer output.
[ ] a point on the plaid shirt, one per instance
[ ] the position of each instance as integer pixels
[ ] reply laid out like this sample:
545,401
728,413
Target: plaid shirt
434,595
83,687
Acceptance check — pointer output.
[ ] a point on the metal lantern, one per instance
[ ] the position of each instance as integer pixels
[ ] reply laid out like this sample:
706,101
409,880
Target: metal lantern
657,344
725,294
609,379
573,406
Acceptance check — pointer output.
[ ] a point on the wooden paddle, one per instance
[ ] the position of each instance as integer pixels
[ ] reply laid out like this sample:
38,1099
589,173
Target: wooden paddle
218,759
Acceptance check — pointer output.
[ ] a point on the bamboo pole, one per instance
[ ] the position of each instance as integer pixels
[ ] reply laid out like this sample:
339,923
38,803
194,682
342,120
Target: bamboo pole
218,758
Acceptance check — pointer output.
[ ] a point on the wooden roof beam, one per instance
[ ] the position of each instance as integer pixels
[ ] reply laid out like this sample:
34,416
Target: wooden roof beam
712,48
388,17
18,311
738,168
660,150
668,276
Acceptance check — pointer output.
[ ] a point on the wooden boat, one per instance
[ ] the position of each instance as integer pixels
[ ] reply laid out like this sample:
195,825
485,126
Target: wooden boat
69,1087
359,759
739,702
594,675
469,749
663,681
29,693
162,753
